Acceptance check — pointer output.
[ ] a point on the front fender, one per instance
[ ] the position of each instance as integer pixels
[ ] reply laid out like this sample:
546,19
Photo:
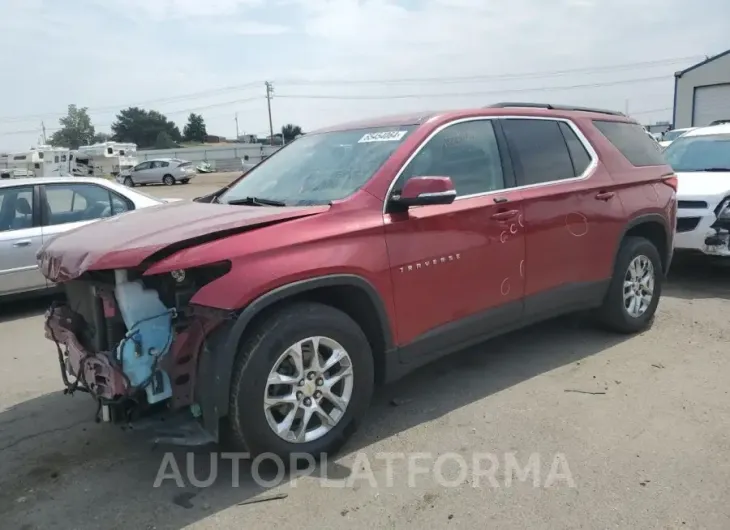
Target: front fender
216,364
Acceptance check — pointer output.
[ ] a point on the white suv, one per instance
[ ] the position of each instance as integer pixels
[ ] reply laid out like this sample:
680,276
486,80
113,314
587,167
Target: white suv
701,159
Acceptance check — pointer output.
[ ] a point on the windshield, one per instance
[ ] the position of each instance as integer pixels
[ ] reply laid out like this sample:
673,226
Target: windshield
699,153
320,168
670,136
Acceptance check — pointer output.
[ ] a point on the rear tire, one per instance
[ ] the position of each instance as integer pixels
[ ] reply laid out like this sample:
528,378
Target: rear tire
635,289
184,181
128,182
168,180
250,424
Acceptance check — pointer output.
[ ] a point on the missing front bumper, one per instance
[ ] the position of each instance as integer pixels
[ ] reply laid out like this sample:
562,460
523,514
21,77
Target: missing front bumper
178,420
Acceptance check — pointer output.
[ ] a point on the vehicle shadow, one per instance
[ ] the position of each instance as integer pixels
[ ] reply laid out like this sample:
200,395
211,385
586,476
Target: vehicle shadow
18,309
697,277
58,468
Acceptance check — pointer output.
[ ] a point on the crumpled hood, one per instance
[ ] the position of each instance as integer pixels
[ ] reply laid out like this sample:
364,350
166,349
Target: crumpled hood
698,184
128,239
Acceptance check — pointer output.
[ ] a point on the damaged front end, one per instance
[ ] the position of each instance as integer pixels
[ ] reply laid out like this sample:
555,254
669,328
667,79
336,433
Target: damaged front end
134,343
717,242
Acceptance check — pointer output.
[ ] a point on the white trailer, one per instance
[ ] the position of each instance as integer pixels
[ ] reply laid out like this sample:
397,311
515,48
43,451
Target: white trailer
103,159
41,161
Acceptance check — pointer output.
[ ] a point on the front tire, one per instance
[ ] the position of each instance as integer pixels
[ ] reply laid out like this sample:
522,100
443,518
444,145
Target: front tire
285,400
635,289
128,182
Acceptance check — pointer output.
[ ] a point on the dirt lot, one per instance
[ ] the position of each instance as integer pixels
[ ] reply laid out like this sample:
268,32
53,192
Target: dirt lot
646,448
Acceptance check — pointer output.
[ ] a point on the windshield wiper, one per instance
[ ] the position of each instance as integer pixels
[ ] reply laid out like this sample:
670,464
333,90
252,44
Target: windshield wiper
255,201
718,169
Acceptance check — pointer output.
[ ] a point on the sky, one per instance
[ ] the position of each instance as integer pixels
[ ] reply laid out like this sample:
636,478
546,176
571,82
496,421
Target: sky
336,60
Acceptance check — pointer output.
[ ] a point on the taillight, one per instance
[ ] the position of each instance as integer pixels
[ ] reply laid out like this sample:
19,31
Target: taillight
672,181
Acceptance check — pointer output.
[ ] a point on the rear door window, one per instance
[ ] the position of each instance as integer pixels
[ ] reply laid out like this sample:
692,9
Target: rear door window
632,141
539,151
578,154
71,203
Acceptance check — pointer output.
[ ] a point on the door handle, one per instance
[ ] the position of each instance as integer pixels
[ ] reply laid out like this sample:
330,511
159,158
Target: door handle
604,195
504,216
22,243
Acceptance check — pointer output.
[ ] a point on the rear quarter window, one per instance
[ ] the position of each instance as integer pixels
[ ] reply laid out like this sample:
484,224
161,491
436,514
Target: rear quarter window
632,141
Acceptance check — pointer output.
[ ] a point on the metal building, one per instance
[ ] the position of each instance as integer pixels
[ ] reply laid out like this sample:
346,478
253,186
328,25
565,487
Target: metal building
702,92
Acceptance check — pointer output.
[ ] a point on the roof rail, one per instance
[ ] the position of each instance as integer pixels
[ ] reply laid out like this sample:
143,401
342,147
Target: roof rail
553,107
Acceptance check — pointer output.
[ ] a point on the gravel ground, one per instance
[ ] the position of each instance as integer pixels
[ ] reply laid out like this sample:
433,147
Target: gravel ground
643,443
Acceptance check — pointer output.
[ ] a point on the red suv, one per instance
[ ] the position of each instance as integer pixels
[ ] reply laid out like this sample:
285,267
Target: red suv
268,311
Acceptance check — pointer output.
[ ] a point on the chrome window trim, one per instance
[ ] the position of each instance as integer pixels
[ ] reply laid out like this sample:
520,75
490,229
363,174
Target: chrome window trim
581,137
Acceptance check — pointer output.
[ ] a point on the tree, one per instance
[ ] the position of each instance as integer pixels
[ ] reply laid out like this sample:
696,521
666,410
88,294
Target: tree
143,127
195,130
163,141
100,138
290,132
76,129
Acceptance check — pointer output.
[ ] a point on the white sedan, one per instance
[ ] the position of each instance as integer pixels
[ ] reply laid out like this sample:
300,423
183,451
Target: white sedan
33,210
701,159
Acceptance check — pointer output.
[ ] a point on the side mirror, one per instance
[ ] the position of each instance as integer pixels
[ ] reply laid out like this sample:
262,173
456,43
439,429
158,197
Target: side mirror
423,191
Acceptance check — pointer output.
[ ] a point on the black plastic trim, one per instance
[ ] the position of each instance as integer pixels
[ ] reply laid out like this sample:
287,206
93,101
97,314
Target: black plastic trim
651,218
476,329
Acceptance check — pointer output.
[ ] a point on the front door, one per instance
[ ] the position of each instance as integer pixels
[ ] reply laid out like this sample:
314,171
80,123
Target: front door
20,240
142,174
456,269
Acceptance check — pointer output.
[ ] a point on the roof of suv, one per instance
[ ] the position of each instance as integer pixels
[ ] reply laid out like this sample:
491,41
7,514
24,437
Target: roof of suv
710,129
498,109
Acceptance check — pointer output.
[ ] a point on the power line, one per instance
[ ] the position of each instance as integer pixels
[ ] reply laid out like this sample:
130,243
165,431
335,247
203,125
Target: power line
525,75
112,108
304,82
182,111
651,111
470,94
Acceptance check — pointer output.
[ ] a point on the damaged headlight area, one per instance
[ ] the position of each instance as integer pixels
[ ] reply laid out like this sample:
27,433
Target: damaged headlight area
133,341
721,226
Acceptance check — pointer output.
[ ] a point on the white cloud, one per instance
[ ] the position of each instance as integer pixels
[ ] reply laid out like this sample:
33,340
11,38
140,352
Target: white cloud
179,9
102,53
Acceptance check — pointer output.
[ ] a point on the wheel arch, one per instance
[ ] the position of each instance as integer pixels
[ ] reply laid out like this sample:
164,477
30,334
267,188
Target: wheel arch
655,228
352,294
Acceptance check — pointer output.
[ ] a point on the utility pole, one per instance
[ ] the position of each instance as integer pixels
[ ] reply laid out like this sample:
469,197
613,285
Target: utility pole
237,135
269,95
43,126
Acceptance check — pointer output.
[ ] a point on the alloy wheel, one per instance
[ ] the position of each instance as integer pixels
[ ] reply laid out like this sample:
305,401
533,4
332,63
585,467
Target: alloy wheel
639,286
308,389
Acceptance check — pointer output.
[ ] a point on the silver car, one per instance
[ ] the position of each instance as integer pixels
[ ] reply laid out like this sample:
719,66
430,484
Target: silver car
33,210
168,171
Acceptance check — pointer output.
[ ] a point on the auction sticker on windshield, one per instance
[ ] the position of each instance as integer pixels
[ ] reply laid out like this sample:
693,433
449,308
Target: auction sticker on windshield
385,136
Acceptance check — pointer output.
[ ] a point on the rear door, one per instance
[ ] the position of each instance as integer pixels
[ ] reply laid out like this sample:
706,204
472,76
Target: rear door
569,209
157,171
20,240
69,206
456,268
